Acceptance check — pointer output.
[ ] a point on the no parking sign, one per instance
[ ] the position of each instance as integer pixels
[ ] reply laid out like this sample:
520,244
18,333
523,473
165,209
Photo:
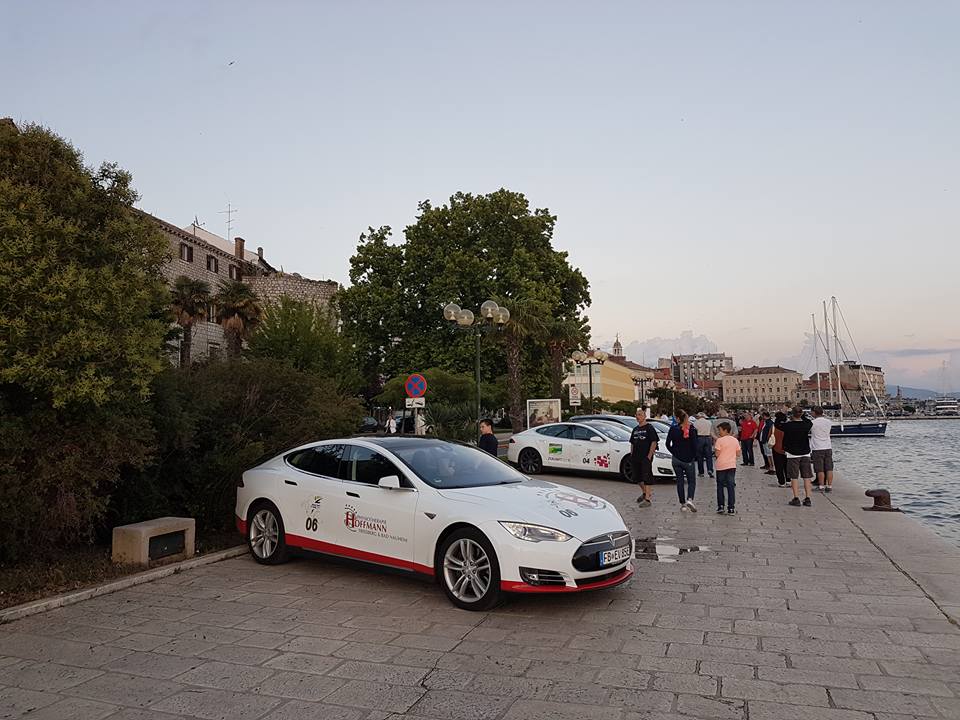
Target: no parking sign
416,385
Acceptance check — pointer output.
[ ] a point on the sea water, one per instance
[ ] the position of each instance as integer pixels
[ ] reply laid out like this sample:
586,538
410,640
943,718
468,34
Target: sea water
918,462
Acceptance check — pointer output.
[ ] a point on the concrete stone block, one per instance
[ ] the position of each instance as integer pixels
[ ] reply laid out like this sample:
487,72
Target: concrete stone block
131,543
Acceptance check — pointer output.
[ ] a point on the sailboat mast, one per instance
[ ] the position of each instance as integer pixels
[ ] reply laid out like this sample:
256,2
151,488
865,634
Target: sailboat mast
826,347
836,351
816,359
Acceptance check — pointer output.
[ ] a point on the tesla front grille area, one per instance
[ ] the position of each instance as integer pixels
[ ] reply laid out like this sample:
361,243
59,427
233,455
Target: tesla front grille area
533,576
592,554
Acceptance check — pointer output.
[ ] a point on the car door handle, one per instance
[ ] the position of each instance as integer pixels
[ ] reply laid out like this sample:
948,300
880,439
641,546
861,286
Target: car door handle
289,482
352,494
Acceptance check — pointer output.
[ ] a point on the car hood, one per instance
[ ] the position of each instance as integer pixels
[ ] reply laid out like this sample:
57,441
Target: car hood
544,503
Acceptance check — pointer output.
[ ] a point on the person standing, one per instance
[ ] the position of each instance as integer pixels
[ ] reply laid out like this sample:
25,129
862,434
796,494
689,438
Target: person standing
779,456
821,448
704,443
763,437
488,441
391,422
727,448
682,444
796,444
643,444
748,432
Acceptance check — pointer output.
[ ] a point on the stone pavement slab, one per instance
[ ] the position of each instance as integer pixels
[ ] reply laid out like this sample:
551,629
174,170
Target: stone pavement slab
776,613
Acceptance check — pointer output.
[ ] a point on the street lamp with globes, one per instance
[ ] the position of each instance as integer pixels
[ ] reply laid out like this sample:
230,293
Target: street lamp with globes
589,358
492,318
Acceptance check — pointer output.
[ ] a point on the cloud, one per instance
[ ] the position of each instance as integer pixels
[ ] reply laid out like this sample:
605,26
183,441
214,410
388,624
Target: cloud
648,351
912,352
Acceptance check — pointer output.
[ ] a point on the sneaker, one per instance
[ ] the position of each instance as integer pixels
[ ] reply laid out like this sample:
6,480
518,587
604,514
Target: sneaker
731,511
720,510
711,476
795,502
781,483
643,502
693,508
807,502
770,472
684,507
828,488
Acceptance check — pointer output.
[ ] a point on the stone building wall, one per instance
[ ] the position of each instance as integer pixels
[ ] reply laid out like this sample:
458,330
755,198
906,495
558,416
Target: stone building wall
208,338
271,287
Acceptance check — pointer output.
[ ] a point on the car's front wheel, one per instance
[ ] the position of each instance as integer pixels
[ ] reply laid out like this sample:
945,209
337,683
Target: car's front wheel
265,535
469,571
530,462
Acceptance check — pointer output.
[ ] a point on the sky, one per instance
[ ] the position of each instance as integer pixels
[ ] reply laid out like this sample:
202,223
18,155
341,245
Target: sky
717,168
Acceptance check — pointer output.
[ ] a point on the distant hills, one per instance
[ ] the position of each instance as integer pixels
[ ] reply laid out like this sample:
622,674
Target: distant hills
916,393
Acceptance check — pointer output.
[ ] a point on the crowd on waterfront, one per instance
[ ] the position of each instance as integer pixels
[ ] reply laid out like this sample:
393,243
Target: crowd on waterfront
793,446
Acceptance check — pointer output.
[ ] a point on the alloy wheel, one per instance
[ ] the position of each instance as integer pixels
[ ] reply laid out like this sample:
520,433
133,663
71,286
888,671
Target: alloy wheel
264,534
467,570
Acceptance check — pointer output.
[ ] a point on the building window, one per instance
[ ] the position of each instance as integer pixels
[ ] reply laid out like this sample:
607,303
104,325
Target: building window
186,252
211,312
234,272
212,264
214,350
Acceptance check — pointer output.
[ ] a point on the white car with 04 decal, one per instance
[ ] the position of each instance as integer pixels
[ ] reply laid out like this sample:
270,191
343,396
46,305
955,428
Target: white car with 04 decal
594,445
437,508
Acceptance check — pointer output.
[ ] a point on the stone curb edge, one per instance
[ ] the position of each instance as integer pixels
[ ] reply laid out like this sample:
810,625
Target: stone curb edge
39,606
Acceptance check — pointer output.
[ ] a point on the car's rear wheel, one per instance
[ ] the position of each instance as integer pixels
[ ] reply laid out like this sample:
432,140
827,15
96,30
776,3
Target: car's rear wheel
265,536
530,462
469,571
626,469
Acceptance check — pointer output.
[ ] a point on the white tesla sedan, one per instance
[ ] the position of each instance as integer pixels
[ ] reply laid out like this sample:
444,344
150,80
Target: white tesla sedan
593,445
438,508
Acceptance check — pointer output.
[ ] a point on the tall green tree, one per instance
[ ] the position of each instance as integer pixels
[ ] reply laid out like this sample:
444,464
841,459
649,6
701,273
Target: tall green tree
189,298
239,312
474,248
83,314
305,336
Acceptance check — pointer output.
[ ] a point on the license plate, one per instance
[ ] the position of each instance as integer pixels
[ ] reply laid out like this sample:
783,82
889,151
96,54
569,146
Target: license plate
612,557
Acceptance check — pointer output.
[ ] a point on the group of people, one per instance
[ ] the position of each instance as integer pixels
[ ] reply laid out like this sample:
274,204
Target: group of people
793,447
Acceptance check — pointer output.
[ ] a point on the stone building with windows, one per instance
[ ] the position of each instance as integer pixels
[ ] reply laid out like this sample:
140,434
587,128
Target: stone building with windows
762,386
693,369
203,255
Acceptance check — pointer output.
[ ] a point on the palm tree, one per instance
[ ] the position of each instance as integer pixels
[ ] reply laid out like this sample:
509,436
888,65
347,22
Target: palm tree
239,312
189,299
528,319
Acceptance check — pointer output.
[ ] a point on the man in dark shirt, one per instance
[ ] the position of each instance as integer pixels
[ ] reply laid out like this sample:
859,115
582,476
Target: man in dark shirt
796,444
643,444
488,441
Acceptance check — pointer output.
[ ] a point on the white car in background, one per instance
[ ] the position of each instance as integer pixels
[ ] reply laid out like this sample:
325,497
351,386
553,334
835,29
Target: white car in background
591,445
442,509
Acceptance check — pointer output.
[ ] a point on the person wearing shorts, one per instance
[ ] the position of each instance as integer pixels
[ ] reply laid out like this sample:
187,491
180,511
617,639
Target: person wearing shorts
796,445
643,444
822,449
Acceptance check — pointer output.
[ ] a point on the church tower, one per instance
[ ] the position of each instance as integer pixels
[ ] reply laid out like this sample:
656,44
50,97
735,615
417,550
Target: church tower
617,347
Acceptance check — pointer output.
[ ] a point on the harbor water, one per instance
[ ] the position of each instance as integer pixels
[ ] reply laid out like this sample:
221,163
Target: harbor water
918,462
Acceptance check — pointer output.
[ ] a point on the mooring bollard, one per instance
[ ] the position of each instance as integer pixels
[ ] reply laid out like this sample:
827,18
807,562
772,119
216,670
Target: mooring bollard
881,501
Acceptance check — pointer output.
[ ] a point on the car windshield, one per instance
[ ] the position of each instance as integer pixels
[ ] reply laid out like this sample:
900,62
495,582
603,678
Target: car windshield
611,430
449,465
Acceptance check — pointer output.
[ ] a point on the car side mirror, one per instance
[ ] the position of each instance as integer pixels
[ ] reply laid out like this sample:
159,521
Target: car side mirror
390,482
596,438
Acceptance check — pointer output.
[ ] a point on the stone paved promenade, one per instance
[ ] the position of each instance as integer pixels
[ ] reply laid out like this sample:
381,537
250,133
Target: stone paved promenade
792,614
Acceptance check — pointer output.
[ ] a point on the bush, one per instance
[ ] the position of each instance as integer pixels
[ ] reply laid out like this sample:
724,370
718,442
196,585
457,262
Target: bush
216,420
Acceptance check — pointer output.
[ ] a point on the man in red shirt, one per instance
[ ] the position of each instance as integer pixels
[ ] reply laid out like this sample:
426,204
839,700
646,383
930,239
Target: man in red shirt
748,431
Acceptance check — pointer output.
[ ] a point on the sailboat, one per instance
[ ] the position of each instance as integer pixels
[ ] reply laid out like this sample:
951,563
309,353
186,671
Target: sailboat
854,427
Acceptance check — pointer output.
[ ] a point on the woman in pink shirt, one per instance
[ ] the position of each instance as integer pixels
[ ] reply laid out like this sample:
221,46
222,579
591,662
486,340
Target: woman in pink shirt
726,449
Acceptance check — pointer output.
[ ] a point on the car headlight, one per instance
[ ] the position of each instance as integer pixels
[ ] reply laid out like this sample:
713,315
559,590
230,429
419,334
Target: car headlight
534,533
663,455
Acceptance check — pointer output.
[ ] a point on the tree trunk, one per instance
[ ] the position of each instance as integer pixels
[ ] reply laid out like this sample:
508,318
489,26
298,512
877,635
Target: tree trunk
556,370
234,342
514,389
186,344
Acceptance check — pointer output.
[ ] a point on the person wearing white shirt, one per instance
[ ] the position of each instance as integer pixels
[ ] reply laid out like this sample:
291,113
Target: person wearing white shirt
821,448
